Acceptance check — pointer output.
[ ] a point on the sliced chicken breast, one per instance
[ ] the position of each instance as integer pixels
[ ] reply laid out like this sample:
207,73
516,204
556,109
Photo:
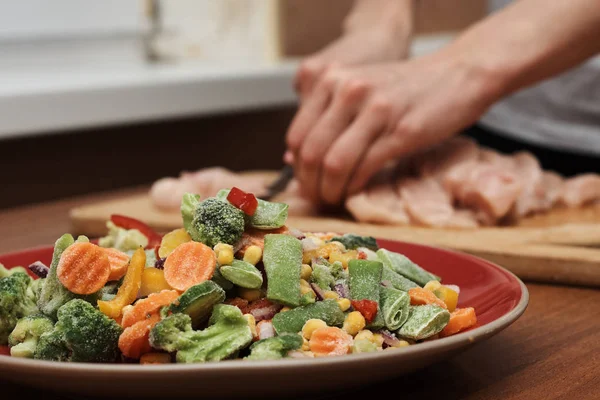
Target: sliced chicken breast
580,190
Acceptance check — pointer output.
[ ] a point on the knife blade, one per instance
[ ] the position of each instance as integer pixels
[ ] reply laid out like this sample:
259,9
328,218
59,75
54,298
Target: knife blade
286,174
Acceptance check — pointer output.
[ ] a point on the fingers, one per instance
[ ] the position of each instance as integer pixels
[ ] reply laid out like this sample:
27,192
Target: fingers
332,124
400,142
346,153
288,158
307,76
306,117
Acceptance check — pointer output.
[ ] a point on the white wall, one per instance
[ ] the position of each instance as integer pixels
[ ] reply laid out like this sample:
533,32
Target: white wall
35,19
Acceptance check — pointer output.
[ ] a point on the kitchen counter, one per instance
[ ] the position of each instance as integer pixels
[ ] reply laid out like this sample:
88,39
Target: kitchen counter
52,87
551,352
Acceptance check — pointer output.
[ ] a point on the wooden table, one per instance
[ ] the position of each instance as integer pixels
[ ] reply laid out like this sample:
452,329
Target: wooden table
551,352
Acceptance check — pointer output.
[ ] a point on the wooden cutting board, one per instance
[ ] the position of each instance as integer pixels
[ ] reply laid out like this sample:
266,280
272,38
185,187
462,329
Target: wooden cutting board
556,247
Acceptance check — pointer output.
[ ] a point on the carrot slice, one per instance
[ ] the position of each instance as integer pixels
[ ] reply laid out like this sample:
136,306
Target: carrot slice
330,341
420,296
133,342
189,264
118,263
460,319
144,308
83,268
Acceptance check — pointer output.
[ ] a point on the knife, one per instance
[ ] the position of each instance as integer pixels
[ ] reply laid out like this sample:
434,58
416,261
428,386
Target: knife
280,184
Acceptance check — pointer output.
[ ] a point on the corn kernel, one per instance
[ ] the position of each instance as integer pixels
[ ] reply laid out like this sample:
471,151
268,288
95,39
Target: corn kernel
304,282
326,250
309,354
378,339
252,324
399,344
432,285
305,344
312,325
344,258
339,245
249,294
284,309
354,323
364,334
222,246
253,255
305,272
306,289
344,304
330,294
307,256
225,257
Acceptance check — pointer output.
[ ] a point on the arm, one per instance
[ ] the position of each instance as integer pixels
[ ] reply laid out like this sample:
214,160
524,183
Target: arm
529,41
359,119
394,15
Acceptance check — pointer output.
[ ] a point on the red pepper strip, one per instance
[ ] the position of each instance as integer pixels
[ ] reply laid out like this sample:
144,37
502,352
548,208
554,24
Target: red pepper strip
124,222
368,308
246,202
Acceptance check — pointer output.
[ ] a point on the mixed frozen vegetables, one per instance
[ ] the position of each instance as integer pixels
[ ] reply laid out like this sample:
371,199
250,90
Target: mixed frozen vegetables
234,282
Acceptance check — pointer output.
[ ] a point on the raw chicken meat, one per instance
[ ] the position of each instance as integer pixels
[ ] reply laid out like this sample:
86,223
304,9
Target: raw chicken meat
580,190
429,204
456,184
378,204
437,161
166,193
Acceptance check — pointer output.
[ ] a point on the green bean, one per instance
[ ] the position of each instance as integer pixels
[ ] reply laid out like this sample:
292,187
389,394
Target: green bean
405,267
395,280
364,282
268,215
243,274
282,257
293,320
424,321
394,307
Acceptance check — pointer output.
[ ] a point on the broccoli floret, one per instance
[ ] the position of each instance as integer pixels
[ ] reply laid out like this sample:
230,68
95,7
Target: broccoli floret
322,277
35,289
275,348
15,303
227,333
123,239
189,203
338,271
4,272
24,338
353,242
82,334
53,294
326,275
109,291
217,221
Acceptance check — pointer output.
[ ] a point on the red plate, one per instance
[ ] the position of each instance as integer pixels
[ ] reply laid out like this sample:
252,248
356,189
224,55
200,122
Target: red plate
498,296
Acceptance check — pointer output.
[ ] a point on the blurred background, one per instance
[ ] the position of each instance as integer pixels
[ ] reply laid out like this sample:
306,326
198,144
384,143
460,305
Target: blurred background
102,95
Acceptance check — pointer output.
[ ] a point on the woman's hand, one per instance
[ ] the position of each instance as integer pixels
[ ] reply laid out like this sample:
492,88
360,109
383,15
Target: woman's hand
356,120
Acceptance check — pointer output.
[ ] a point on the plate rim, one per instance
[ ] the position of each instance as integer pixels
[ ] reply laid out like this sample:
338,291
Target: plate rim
439,345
